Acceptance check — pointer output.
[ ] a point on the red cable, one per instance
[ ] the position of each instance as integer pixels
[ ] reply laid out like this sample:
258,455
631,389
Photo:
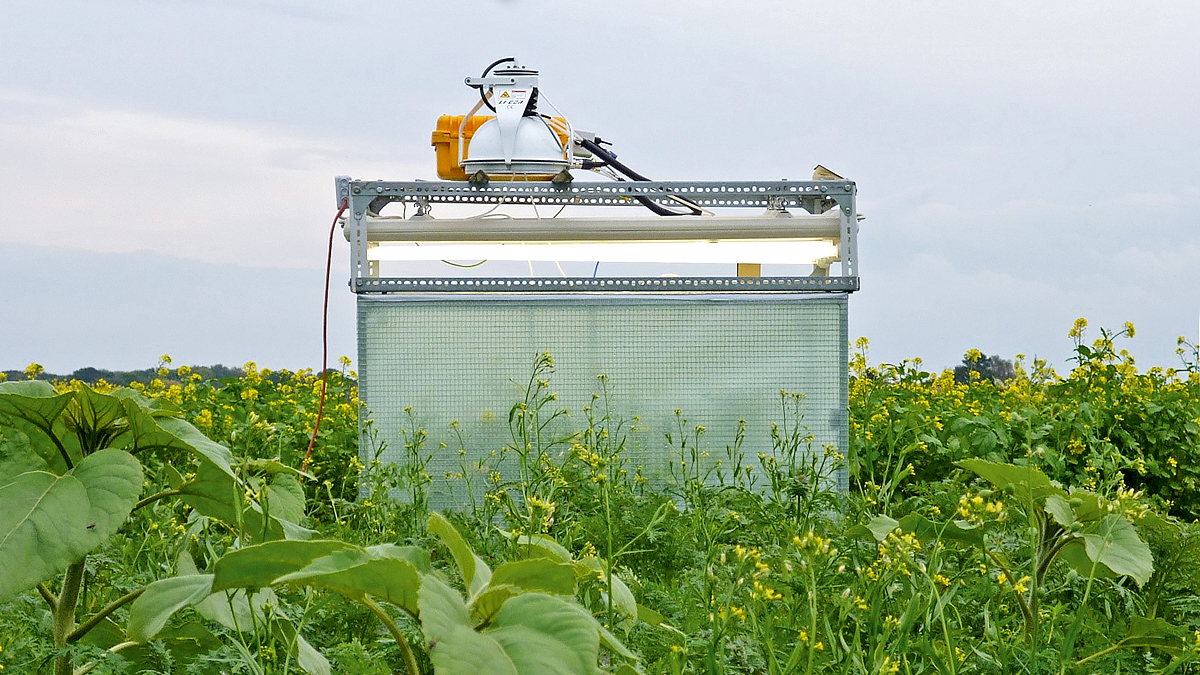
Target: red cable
324,337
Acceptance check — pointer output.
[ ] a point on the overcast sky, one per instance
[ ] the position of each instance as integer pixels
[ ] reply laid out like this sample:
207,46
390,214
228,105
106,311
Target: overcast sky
1019,164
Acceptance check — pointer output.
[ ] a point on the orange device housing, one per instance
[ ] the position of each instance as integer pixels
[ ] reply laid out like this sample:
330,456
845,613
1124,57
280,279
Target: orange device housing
445,142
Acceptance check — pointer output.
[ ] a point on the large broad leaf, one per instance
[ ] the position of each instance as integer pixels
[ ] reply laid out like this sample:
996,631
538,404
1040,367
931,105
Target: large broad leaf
201,446
546,635
236,610
474,570
33,407
239,610
387,572
48,522
93,419
260,565
532,634
307,657
215,492
540,546
512,579
17,455
881,526
537,574
145,433
1060,510
1074,555
927,530
150,612
34,401
455,647
1027,485
285,498
1115,543
1157,633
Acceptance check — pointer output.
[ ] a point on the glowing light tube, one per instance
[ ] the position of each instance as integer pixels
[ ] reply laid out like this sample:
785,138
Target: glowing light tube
787,252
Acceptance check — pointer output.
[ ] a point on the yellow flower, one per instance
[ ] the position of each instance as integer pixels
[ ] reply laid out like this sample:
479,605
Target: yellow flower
1077,330
1022,584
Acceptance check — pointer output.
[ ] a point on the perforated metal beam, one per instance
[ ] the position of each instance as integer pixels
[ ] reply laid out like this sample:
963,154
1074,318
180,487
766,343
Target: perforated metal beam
609,284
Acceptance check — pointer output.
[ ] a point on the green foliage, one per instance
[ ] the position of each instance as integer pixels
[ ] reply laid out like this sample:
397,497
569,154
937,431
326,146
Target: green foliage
1024,525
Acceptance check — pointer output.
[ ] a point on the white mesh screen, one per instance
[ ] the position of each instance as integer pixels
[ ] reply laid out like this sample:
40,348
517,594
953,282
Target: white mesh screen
718,359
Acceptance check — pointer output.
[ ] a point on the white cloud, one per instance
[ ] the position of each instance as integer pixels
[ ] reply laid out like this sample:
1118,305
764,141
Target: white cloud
115,180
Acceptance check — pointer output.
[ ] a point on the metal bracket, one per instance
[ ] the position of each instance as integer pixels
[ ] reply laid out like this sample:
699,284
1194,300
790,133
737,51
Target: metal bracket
610,284
367,198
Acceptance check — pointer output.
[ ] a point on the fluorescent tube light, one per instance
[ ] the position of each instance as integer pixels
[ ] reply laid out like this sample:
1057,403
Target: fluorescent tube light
787,252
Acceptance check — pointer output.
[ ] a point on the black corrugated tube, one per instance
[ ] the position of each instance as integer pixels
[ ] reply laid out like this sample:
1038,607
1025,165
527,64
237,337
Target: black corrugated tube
611,160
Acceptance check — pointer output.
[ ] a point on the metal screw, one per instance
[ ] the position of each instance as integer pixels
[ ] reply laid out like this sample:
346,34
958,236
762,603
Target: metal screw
379,189
847,188
357,190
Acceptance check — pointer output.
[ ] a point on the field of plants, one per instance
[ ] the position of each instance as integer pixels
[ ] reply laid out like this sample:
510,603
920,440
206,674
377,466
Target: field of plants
1045,523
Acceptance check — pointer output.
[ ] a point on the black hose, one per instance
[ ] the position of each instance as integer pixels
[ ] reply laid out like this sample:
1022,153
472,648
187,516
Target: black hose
482,93
611,160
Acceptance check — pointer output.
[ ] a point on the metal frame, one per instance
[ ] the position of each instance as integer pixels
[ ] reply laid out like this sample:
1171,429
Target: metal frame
365,200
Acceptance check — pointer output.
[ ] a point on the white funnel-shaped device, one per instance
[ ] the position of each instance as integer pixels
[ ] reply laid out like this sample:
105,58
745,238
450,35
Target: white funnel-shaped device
519,141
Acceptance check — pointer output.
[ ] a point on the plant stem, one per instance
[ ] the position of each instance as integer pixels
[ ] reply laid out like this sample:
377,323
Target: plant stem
410,661
64,617
48,597
1103,652
115,649
100,616
155,497
1028,613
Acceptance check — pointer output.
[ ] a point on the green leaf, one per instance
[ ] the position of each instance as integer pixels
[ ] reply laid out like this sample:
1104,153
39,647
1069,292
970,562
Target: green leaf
485,605
546,635
540,546
1157,633
386,572
260,565
33,401
455,647
1029,486
49,522
650,616
614,645
537,574
307,657
1115,543
239,610
17,455
217,493
881,526
92,418
150,612
200,445
1074,555
145,433
926,530
474,570
236,610
1060,510
34,408
286,498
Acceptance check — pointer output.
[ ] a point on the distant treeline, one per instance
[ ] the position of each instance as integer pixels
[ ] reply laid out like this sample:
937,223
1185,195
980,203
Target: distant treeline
126,377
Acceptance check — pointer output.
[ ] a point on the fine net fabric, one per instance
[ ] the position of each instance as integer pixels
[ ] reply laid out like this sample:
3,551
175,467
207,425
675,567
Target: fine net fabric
716,359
